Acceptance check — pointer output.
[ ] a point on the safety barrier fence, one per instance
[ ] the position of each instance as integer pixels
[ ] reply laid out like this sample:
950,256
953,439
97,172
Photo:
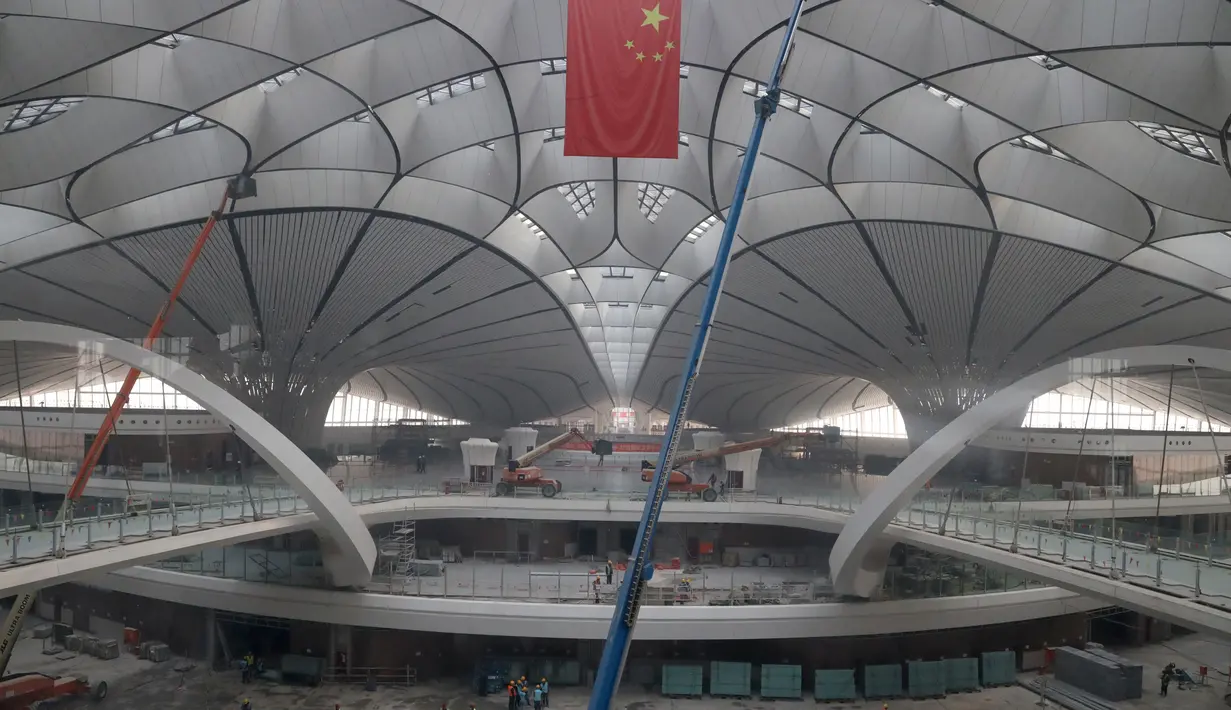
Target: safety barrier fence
1195,570
404,676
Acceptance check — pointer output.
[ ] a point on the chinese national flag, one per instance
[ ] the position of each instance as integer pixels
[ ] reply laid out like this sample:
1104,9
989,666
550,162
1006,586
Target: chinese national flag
623,79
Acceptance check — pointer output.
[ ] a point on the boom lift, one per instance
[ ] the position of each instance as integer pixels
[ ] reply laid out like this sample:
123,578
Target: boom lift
628,601
520,474
237,188
681,481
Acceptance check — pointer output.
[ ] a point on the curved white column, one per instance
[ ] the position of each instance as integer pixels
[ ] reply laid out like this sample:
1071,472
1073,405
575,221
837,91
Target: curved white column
859,536
355,553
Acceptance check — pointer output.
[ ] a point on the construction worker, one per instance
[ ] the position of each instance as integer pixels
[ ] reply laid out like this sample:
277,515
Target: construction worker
246,705
523,696
546,690
610,569
538,697
513,704
596,582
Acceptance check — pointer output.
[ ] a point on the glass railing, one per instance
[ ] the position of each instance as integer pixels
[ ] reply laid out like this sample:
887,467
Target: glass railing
486,576
1135,550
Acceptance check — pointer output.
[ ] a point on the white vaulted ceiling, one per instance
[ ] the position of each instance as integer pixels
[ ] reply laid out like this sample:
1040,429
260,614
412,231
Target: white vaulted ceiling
958,193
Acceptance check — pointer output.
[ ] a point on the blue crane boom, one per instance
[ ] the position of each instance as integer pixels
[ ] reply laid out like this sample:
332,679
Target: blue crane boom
628,601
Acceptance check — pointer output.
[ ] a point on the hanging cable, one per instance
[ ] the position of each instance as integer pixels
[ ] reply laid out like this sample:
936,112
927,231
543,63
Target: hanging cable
1162,468
1222,466
1115,481
166,438
102,378
1081,447
21,409
72,418
1017,515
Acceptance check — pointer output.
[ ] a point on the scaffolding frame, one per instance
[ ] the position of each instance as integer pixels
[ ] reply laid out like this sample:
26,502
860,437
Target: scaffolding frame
406,564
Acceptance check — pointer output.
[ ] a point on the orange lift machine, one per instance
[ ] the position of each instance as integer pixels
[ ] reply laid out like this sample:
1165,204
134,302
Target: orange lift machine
520,474
681,482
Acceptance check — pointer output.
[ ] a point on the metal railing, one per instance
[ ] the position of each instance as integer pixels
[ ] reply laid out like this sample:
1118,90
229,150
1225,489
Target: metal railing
403,676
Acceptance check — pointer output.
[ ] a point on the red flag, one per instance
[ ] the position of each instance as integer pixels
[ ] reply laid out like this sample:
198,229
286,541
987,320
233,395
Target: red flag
623,81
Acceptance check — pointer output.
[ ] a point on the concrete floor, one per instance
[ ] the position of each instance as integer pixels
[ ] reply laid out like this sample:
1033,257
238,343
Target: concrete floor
135,683
140,684
1187,652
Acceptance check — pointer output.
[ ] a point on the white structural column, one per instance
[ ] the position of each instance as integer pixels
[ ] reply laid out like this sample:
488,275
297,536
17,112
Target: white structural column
520,439
746,462
847,563
349,552
705,440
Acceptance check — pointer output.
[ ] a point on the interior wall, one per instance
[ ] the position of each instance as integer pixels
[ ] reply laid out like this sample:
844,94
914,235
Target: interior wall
181,627
551,540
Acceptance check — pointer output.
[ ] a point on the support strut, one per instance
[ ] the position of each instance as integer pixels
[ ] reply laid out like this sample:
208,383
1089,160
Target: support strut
12,624
628,601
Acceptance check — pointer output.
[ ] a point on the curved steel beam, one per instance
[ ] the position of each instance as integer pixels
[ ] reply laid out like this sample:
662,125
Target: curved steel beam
851,575
349,550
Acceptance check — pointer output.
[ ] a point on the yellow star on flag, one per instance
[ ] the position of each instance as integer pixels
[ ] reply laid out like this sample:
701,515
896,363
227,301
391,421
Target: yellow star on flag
654,17
670,45
640,57
628,44
658,57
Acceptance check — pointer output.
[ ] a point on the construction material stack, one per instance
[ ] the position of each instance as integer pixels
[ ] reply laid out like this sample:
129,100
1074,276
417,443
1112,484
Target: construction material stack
961,675
1099,673
784,682
835,685
683,681
730,680
926,679
999,668
882,682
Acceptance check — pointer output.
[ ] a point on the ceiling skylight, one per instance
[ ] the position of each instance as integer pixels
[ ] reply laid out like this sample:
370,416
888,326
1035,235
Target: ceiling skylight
786,100
553,66
444,91
695,233
1180,140
1047,62
32,113
534,228
187,124
1038,145
277,82
651,198
948,98
172,40
580,196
